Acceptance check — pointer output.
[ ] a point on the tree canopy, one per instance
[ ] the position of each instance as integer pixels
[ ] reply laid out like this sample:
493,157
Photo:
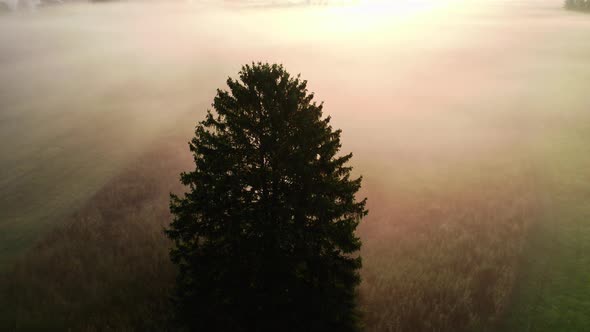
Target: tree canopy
578,4
265,236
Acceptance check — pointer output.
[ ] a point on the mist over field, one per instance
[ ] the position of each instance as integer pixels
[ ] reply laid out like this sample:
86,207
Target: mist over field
467,119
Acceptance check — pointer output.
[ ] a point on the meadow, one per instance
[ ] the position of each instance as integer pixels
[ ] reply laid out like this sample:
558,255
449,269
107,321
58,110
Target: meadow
467,119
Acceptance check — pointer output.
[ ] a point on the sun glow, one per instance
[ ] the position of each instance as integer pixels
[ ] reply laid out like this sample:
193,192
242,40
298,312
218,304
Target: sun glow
363,19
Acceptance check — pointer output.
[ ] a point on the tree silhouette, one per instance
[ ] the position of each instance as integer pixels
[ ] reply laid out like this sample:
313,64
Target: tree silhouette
265,237
577,4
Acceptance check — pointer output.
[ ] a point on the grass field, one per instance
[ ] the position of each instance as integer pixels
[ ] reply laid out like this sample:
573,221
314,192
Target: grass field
554,288
468,120
106,267
73,112
438,254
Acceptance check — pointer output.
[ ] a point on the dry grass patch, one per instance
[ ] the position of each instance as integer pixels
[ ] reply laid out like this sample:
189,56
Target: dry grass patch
108,267
445,260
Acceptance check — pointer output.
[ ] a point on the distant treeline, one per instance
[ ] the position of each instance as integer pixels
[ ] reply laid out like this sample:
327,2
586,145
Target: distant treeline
578,5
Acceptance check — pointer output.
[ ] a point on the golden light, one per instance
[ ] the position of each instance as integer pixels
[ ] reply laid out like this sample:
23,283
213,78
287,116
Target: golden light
362,18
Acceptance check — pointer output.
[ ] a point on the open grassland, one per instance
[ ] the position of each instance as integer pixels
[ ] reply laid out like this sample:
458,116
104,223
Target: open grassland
73,111
445,257
440,253
107,267
553,292
469,124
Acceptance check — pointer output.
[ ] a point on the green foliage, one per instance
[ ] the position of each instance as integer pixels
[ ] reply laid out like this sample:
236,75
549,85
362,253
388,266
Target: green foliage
577,4
265,238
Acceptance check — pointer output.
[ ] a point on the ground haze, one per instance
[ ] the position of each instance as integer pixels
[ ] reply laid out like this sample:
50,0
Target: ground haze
468,121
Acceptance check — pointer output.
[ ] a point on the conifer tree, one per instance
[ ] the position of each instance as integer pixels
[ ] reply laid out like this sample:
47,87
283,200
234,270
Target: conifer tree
265,236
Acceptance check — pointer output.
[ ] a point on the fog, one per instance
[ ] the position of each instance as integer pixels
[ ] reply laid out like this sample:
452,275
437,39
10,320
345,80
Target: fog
418,88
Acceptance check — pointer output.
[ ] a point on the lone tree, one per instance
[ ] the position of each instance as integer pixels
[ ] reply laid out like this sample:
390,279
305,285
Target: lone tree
265,237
